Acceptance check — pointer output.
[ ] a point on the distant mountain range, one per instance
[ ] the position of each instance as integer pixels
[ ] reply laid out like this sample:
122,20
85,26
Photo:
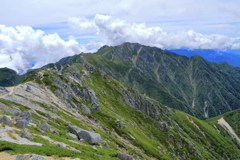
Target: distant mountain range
211,55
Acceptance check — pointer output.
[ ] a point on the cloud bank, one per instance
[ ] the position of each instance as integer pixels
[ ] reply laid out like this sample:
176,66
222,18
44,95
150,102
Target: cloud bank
116,31
22,45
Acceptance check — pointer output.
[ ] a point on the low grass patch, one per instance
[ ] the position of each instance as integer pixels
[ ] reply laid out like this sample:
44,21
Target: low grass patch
43,114
10,133
44,105
45,150
11,103
37,117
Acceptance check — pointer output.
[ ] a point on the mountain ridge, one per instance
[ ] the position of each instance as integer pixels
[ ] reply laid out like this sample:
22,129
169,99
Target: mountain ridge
174,76
191,84
74,96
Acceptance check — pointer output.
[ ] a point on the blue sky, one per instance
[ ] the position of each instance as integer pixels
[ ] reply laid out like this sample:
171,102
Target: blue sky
44,31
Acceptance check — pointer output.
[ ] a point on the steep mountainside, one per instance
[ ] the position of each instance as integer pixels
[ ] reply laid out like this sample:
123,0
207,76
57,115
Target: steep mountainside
9,77
74,109
193,85
232,119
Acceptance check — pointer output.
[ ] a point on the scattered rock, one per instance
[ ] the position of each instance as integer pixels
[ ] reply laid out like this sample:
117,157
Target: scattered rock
123,156
54,131
17,113
86,109
17,118
59,144
165,108
176,126
6,120
95,106
72,135
74,130
179,145
27,116
30,157
83,135
90,137
26,134
28,88
105,144
195,137
183,155
21,123
90,95
45,126
90,67
104,93
76,74
74,149
164,126
121,124
103,74
38,76
172,155
171,136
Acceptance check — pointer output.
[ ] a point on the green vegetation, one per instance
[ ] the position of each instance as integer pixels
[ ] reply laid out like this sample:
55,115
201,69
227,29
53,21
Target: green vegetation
129,121
46,149
9,77
232,118
12,103
173,80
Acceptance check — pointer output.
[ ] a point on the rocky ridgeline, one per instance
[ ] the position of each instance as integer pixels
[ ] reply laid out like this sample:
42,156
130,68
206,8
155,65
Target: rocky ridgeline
61,102
71,90
141,103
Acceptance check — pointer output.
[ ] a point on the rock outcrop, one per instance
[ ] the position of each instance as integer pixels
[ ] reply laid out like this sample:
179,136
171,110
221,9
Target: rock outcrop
83,135
90,67
86,109
26,134
141,103
96,106
6,120
90,137
23,119
21,123
45,127
123,156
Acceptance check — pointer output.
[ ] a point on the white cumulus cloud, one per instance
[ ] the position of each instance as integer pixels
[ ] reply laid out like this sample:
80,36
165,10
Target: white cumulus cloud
22,45
116,31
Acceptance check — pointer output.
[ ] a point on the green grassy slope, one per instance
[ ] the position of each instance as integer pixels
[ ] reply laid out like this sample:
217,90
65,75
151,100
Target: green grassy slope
186,136
193,85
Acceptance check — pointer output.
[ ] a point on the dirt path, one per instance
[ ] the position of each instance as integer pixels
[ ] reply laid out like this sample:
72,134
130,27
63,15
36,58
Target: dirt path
7,156
222,122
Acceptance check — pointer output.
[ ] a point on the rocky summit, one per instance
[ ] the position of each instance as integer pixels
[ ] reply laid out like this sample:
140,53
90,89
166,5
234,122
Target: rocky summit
83,107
